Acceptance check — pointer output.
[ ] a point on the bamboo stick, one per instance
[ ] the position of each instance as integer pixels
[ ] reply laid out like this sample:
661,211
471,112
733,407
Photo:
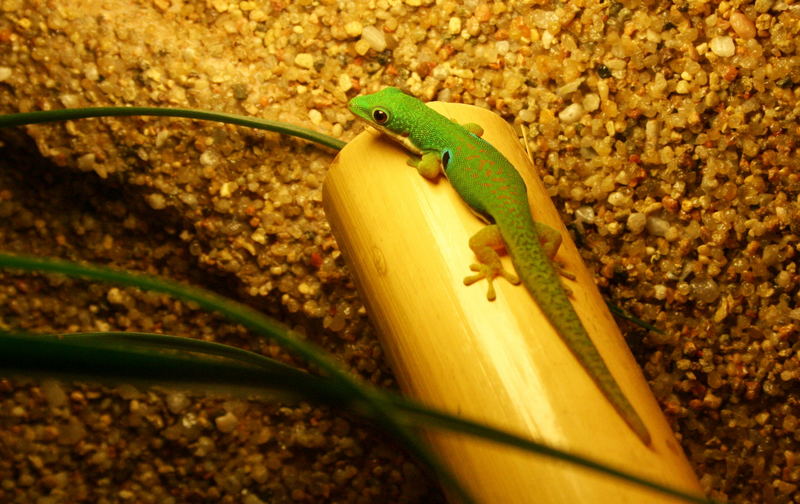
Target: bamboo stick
405,239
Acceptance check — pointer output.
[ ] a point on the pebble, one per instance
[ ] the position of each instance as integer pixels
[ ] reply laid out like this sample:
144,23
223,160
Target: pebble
156,201
54,394
362,47
374,37
742,25
571,113
304,60
226,422
657,226
763,6
682,87
454,25
591,102
177,402
353,29
636,222
345,82
722,46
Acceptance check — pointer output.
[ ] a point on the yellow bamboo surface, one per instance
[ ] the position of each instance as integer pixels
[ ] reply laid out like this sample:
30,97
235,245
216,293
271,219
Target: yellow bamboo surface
405,239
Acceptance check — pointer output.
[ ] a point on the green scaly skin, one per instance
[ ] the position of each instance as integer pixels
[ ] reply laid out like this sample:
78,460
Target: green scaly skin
491,186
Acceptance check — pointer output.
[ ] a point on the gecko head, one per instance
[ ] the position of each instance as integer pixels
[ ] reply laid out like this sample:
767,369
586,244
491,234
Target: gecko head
379,110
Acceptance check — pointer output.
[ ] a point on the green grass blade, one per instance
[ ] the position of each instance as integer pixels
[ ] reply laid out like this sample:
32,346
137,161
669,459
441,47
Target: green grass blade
378,407
423,416
166,360
376,404
157,359
619,312
24,118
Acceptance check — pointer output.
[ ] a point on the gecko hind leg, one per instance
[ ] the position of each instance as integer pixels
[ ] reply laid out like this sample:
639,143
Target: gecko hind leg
473,128
550,238
485,244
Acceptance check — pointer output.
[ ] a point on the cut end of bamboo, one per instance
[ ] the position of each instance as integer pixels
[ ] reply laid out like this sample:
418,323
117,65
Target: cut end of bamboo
406,241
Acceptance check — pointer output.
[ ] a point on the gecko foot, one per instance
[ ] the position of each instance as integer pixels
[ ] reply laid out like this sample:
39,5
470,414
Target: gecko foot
490,272
562,270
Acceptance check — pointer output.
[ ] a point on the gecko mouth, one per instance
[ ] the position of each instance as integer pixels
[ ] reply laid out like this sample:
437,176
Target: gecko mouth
403,140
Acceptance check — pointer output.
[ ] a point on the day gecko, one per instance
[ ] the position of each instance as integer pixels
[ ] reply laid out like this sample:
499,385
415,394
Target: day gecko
494,190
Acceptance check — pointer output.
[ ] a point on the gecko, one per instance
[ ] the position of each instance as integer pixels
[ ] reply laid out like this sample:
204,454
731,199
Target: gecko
495,192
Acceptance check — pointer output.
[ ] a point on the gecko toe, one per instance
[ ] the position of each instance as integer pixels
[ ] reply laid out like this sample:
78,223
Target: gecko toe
490,272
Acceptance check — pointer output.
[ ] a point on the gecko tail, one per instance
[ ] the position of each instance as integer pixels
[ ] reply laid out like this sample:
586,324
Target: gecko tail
541,279
634,421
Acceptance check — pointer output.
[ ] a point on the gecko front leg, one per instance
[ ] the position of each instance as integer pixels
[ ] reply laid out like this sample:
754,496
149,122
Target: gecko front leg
427,165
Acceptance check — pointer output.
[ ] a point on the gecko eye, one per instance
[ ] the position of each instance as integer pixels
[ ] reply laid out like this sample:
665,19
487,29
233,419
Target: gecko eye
380,116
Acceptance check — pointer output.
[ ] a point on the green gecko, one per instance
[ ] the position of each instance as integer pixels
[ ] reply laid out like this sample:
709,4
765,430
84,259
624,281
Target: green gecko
493,189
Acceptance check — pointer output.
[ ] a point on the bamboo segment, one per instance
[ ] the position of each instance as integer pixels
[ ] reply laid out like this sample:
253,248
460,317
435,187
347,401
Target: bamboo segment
405,239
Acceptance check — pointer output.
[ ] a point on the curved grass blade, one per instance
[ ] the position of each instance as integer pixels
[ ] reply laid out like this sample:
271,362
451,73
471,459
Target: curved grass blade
99,357
423,416
23,118
619,312
375,401
158,359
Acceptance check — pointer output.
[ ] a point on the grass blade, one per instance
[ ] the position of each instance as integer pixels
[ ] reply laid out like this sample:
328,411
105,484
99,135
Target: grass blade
375,401
157,359
23,118
392,412
619,312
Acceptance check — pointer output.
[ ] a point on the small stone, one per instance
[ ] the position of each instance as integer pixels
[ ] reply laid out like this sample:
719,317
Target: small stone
345,82
156,201
353,29
764,5
619,199
177,402
374,37
723,46
657,226
53,393
258,15
742,25
227,189
315,116
636,222
70,100
239,91
5,73
252,499
682,87
547,39
115,296
209,158
362,47
591,102
571,113
304,60
226,422
454,25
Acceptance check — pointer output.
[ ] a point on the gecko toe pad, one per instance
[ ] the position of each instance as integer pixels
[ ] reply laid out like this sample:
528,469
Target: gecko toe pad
490,272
